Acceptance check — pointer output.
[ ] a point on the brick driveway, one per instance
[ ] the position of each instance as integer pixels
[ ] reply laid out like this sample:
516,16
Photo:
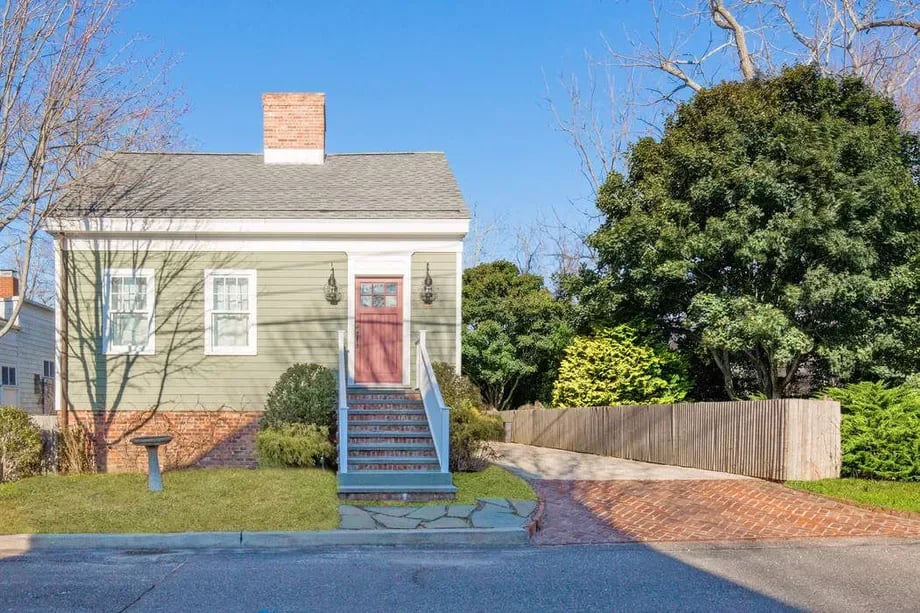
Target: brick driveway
593,499
713,510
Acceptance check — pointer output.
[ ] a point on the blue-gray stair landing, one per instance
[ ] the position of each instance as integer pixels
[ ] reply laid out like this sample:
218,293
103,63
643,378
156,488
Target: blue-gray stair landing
494,513
391,455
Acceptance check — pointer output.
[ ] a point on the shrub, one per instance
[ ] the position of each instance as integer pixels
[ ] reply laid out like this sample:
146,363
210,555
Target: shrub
304,394
880,431
469,427
616,366
457,391
297,445
469,430
20,444
76,452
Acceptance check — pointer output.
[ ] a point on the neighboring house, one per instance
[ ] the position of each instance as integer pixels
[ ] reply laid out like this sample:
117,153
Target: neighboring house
26,351
190,282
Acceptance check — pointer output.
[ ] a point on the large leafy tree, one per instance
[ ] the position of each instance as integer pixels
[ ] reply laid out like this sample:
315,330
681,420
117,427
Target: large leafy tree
514,333
772,226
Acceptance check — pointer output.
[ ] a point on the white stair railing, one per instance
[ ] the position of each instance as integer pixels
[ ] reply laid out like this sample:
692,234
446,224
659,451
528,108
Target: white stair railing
438,414
343,404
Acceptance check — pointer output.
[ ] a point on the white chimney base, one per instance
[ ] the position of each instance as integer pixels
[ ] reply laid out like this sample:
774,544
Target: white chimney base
294,156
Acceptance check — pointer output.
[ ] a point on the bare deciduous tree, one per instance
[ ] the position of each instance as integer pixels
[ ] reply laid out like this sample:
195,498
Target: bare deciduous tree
694,44
68,96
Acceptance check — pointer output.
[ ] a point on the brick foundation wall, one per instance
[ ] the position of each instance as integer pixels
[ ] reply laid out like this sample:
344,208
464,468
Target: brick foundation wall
200,438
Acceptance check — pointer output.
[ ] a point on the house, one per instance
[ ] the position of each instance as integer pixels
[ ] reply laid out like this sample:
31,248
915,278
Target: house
189,282
26,351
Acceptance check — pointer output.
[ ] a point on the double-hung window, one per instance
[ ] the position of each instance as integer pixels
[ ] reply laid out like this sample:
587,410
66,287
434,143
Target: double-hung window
230,312
128,300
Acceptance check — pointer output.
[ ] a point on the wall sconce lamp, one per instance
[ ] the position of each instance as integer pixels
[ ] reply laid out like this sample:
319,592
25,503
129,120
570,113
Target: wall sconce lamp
333,294
427,294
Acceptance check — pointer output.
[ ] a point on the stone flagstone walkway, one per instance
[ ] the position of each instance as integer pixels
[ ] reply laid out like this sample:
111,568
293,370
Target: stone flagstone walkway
486,513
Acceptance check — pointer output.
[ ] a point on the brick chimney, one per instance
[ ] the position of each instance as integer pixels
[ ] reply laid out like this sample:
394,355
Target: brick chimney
9,284
294,128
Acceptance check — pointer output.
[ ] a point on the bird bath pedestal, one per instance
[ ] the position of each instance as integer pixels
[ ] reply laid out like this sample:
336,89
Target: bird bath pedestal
152,443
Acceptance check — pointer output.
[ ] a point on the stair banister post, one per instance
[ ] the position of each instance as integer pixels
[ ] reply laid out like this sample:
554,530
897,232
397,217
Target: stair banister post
445,438
343,404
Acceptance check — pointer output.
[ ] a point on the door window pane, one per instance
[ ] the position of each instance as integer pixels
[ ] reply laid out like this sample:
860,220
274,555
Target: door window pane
391,289
366,288
391,301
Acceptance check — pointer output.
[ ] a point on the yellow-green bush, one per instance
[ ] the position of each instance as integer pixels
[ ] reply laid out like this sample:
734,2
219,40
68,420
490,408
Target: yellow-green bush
616,366
300,445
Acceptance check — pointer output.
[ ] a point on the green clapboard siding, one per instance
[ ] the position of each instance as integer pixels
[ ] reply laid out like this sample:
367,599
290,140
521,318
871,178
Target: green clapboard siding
295,324
440,318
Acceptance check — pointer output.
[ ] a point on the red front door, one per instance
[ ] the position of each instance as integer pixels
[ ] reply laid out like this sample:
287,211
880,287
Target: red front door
378,330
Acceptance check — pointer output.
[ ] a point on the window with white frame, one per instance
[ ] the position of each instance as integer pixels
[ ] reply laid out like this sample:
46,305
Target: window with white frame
8,375
230,312
128,301
48,368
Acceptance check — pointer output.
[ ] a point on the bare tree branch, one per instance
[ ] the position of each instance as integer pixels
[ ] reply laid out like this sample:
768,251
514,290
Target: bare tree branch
723,18
67,99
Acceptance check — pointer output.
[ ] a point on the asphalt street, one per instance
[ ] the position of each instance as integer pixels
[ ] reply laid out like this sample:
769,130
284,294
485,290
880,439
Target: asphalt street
820,575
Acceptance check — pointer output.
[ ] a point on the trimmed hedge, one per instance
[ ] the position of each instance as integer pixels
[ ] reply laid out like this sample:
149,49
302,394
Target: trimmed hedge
304,394
880,431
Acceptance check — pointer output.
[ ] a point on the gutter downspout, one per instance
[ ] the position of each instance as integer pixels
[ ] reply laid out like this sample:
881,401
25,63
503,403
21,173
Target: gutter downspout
60,320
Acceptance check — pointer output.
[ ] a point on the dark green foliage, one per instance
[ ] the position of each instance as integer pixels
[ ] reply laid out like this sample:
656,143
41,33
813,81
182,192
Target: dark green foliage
304,394
294,445
618,366
776,224
880,433
514,333
469,427
20,444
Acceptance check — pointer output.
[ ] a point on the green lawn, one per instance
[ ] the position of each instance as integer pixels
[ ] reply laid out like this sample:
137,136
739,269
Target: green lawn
493,482
201,500
192,500
901,496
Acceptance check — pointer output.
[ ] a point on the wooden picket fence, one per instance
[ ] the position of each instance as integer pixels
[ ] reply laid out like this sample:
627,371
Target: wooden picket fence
788,439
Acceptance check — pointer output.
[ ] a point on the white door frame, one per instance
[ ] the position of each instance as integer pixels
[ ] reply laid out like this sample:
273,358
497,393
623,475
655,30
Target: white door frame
391,264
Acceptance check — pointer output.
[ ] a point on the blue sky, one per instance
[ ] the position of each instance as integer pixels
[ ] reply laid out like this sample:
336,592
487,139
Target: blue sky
463,77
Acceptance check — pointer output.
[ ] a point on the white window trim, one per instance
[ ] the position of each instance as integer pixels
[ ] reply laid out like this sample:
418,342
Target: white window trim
150,347
252,346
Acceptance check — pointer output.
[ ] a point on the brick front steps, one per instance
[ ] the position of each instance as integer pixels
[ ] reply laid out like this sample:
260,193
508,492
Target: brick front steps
391,455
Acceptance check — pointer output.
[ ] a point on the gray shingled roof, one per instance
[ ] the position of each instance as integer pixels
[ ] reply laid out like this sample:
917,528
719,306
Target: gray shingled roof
242,186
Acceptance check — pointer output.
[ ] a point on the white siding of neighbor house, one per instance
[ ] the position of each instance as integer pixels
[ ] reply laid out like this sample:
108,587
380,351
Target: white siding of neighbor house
26,347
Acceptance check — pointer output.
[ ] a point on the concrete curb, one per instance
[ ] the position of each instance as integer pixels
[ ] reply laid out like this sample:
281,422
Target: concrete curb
535,523
22,543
